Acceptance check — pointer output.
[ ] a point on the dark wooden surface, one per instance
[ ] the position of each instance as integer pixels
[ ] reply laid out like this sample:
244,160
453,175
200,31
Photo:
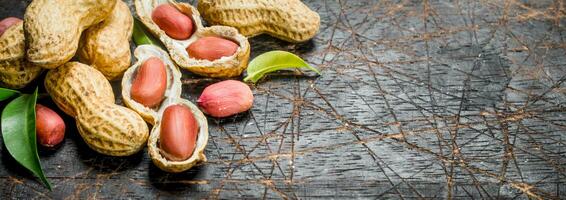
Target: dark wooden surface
418,99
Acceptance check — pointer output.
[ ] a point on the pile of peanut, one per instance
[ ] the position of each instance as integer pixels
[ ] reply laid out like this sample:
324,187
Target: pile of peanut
98,32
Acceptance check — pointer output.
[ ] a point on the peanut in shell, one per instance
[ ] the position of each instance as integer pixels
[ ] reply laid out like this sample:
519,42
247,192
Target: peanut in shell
106,46
289,20
84,93
53,28
15,71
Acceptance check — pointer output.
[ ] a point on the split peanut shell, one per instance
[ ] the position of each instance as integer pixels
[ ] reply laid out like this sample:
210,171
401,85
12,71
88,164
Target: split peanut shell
106,46
173,89
198,155
153,115
15,71
289,20
227,66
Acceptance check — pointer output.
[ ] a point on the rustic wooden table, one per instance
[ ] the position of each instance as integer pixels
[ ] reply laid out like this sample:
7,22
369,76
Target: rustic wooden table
418,99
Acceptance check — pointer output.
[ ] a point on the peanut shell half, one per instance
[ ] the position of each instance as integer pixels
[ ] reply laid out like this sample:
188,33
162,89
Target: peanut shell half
172,93
228,66
153,115
198,154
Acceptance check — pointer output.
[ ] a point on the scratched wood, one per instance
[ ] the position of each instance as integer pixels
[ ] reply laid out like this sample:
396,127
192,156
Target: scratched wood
417,99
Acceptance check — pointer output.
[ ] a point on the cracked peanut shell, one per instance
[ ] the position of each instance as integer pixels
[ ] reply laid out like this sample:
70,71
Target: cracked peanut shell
106,46
173,87
227,66
53,28
153,115
15,71
289,20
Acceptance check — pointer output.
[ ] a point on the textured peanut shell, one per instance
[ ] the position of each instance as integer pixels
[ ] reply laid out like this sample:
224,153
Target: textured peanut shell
106,45
53,28
84,93
172,92
289,20
15,71
198,155
229,66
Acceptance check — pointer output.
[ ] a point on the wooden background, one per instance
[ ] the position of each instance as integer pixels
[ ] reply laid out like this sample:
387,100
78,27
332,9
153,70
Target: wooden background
417,99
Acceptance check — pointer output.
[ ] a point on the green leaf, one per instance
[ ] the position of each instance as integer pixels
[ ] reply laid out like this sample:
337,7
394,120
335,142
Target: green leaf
18,131
7,93
141,36
273,61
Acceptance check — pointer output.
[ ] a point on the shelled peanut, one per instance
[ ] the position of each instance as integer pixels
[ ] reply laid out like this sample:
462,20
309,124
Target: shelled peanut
178,134
106,45
211,48
50,127
53,28
84,93
289,20
217,51
152,88
15,71
226,98
150,82
174,23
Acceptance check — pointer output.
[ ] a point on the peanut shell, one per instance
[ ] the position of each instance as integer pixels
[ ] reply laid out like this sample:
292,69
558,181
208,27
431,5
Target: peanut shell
15,71
53,28
198,154
106,46
289,20
172,93
228,66
153,115
84,93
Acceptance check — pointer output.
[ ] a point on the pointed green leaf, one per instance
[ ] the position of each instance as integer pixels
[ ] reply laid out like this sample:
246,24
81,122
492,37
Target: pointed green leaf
18,132
273,61
7,93
140,35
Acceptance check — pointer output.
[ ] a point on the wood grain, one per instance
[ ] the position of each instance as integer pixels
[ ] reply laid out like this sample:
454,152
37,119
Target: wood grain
417,99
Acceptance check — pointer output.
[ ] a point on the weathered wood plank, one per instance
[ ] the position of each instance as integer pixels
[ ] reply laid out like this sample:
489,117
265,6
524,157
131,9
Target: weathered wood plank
418,99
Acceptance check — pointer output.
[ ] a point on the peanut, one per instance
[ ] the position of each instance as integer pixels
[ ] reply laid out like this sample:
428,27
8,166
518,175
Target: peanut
53,28
178,50
50,128
7,23
148,87
15,71
178,133
211,48
289,20
106,46
226,98
174,23
84,93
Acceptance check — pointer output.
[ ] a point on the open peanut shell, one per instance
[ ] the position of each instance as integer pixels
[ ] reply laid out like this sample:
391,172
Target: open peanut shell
153,115
173,89
198,155
227,66
15,71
